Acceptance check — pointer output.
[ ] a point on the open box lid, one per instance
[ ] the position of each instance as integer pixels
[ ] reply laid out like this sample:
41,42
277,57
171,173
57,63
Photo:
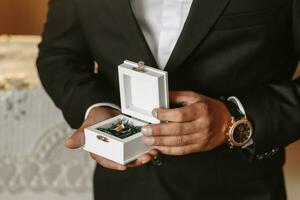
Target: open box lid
142,89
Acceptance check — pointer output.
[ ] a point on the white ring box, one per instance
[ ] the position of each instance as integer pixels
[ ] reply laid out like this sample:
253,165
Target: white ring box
142,89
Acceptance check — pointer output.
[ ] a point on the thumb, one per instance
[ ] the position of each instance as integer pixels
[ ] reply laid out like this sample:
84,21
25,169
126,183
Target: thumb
76,140
184,97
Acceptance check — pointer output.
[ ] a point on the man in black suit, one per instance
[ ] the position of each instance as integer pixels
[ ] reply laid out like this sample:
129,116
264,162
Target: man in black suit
246,50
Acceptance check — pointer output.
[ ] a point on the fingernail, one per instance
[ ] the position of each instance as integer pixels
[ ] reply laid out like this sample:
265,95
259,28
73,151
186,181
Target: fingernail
146,130
154,113
145,161
149,140
121,167
68,142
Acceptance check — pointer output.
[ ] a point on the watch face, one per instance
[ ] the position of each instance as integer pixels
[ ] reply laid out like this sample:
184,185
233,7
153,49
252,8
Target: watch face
241,132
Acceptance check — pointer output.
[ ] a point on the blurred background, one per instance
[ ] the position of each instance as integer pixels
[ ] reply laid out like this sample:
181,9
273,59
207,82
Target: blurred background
33,162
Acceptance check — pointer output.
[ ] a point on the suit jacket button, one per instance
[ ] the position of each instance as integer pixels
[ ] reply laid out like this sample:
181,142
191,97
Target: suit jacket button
158,160
267,155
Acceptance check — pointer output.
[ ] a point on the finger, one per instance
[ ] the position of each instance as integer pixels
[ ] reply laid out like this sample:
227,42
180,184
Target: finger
76,140
172,128
177,151
178,140
108,163
144,159
183,114
184,97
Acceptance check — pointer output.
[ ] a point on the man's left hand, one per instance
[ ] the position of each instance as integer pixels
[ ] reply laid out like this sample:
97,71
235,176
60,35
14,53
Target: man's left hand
199,125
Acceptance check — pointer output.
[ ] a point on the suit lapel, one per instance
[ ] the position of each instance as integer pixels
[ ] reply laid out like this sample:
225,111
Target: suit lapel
202,16
129,26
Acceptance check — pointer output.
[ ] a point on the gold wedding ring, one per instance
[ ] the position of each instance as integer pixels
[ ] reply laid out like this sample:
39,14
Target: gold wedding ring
119,127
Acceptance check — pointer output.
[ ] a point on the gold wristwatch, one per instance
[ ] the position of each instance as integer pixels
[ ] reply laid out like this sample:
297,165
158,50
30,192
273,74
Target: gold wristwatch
240,130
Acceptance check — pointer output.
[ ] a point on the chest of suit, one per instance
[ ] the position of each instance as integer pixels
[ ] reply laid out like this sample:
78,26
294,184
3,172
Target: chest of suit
224,45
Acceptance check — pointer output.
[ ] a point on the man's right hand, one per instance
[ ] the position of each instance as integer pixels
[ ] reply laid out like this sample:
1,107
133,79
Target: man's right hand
97,115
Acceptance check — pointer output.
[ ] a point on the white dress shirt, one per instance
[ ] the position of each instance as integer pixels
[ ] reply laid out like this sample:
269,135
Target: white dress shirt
161,22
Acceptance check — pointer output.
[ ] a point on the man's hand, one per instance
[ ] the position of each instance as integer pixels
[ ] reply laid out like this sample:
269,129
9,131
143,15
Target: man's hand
96,115
199,125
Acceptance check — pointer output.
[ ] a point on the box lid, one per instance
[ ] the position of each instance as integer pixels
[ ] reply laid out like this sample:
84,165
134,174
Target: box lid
142,89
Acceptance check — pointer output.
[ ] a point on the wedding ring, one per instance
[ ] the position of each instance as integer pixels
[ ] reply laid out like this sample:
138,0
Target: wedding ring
119,127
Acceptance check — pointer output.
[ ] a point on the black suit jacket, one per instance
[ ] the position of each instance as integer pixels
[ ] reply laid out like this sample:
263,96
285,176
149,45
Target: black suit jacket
245,48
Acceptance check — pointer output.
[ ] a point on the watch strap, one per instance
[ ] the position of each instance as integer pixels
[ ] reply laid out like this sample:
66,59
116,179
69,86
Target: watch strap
233,109
237,102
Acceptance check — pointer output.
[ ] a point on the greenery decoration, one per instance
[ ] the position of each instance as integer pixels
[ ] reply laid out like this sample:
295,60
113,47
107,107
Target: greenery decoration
121,129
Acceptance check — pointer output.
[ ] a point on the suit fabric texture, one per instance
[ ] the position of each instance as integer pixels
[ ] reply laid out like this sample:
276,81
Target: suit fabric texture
245,48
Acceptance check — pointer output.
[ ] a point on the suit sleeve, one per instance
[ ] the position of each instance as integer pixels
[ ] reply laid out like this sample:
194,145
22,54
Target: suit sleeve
275,108
65,65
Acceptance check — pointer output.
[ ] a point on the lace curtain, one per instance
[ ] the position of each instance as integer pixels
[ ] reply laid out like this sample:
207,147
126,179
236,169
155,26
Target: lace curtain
33,159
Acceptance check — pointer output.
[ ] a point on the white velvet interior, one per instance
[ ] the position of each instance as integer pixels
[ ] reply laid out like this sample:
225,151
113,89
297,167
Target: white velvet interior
141,94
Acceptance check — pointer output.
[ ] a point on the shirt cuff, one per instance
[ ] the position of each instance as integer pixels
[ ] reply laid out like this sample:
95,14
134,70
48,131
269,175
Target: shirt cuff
101,104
